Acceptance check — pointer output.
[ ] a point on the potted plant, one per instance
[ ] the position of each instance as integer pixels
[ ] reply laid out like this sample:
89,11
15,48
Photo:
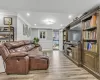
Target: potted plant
36,41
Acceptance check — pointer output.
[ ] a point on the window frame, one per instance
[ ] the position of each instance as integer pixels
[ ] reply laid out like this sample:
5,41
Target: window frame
42,34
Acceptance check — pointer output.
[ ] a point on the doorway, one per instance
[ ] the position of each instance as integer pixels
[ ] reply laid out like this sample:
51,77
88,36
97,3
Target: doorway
55,40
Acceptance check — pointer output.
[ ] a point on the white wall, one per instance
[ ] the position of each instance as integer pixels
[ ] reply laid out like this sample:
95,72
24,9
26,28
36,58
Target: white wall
20,35
2,69
47,43
60,40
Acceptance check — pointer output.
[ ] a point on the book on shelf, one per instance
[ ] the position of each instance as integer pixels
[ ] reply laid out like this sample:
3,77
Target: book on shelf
90,46
92,35
6,29
64,41
64,32
64,38
3,41
6,34
91,23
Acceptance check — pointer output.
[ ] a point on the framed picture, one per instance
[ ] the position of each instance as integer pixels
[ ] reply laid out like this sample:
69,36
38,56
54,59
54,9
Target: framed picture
7,21
29,31
25,29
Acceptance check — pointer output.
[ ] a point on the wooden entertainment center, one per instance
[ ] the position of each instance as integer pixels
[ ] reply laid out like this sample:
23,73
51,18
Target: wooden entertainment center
73,52
86,53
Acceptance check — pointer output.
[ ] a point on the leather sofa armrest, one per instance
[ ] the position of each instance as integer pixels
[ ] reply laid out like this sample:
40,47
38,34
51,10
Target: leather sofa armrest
37,45
17,65
18,54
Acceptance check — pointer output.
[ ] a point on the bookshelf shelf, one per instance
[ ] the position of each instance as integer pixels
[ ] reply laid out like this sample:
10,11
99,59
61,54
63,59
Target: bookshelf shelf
87,18
6,34
90,40
65,36
90,29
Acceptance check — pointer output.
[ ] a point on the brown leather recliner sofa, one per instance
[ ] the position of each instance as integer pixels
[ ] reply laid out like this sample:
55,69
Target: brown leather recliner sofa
22,56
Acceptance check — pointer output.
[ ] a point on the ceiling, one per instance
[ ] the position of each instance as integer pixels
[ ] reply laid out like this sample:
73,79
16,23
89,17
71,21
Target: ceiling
58,10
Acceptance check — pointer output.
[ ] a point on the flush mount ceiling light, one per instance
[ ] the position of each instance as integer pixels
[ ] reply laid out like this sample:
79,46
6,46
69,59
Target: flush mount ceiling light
28,14
34,24
70,16
49,21
61,25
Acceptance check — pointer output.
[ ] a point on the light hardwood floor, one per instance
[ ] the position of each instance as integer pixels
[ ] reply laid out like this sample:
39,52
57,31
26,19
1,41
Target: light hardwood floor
60,68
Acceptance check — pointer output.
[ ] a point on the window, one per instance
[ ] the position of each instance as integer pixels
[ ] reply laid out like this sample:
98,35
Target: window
42,34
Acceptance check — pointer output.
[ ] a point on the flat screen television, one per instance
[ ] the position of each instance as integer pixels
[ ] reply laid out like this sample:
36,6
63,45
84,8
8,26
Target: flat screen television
74,34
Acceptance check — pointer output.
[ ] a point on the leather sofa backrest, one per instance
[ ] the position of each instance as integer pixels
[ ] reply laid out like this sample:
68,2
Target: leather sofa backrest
11,45
26,42
17,46
21,49
30,47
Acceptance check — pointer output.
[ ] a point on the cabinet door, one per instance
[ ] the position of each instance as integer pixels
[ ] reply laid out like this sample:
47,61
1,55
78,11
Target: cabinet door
89,60
75,55
97,64
75,50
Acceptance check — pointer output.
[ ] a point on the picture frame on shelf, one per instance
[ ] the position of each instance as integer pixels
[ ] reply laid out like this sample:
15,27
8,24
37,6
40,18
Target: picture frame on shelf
7,21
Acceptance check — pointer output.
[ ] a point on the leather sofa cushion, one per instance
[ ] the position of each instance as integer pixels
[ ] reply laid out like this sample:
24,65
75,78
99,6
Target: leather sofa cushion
30,47
40,57
21,49
18,54
34,52
26,42
12,50
15,44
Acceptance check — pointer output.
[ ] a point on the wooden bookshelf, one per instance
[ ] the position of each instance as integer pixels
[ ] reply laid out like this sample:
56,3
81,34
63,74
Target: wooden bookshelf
89,51
65,36
90,42
6,34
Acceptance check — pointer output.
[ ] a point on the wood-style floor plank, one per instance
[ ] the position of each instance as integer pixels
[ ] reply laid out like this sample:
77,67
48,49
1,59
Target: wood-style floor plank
60,68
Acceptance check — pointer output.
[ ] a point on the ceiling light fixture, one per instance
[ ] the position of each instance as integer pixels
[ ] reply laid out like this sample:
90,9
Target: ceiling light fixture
61,25
70,16
34,24
49,21
28,14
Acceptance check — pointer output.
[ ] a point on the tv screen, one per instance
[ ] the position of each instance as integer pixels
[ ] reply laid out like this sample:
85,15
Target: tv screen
74,35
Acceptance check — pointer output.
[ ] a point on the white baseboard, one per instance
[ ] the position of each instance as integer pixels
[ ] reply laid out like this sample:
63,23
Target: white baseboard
47,50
